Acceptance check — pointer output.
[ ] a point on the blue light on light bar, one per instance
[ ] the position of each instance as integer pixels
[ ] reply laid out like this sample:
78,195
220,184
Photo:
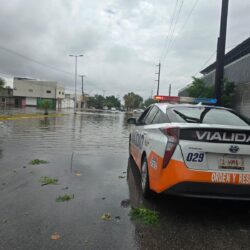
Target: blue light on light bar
205,100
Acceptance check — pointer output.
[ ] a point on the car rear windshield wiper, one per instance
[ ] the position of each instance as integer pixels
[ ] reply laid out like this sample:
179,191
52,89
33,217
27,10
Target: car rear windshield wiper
187,118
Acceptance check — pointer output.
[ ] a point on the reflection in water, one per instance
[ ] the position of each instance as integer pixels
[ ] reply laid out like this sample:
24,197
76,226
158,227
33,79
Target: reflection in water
133,177
88,132
45,122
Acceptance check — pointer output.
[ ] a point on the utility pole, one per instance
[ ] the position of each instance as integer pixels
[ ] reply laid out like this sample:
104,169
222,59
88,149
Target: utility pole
82,82
169,90
75,56
159,75
219,74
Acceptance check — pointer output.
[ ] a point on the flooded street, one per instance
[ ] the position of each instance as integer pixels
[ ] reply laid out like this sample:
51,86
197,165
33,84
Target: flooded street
88,154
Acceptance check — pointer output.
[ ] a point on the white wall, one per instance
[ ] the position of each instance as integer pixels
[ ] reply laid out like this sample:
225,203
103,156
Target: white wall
31,101
60,92
34,88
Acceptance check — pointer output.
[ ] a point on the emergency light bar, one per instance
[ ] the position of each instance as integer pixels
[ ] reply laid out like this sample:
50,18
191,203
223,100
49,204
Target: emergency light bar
205,100
181,99
165,98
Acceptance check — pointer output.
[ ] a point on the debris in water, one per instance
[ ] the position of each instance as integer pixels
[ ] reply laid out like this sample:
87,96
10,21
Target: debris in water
145,215
103,198
121,177
55,236
125,203
38,161
45,180
77,173
106,216
66,197
117,218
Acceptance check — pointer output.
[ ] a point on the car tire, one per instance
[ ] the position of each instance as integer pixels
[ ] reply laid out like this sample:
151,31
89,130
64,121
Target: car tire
129,147
146,191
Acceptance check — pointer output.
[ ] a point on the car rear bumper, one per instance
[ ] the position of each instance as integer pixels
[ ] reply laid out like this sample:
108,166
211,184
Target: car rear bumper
177,178
210,190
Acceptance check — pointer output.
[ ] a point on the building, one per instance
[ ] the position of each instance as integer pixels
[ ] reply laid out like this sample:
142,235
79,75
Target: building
32,92
237,70
68,101
6,97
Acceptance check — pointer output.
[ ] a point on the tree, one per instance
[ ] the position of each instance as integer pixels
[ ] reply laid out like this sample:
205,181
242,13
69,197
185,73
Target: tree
2,83
149,101
199,88
46,106
96,101
228,93
132,100
112,101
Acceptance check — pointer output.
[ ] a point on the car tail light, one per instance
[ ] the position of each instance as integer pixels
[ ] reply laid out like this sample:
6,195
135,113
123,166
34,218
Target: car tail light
173,140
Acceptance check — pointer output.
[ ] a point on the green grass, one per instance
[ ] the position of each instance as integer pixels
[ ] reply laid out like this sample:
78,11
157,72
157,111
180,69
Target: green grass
145,215
66,197
37,162
45,180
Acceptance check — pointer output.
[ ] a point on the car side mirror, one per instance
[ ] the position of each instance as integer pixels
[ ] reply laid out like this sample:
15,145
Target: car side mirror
131,120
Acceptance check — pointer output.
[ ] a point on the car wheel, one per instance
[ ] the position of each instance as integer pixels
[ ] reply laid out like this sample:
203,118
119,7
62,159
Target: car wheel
147,193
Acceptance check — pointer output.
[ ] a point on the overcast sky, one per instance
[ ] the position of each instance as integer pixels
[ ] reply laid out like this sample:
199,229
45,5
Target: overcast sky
122,41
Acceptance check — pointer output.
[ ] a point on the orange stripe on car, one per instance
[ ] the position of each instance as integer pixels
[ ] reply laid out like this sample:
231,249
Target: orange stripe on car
176,172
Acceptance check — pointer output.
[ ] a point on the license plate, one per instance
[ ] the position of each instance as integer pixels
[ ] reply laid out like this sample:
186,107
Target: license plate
231,162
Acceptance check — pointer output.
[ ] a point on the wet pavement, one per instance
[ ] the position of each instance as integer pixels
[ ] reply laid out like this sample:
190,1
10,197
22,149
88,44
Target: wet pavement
88,154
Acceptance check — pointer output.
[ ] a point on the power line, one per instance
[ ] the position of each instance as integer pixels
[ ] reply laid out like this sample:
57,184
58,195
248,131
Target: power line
173,29
170,28
189,15
204,64
33,60
185,22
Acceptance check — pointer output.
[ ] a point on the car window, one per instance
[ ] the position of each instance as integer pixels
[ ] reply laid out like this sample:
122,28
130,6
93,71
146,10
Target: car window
151,115
160,117
224,117
141,119
207,115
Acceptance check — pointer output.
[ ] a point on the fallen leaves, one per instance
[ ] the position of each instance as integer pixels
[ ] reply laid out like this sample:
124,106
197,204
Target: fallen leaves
77,173
106,216
45,180
145,215
38,161
55,236
66,197
125,203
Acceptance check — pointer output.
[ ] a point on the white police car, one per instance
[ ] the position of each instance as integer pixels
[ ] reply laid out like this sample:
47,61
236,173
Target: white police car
192,150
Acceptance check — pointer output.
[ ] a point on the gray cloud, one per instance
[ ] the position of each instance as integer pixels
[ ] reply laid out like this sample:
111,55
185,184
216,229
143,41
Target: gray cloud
121,41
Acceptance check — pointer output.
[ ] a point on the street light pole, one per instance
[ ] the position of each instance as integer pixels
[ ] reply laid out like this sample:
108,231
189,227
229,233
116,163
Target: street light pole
75,78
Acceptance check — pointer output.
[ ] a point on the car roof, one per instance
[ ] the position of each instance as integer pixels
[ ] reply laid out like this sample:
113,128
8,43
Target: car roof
164,106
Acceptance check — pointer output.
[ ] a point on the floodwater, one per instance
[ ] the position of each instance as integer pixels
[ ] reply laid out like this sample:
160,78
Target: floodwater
87,133
88,154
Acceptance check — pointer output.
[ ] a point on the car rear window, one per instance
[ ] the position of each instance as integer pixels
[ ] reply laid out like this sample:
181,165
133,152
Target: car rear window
207,115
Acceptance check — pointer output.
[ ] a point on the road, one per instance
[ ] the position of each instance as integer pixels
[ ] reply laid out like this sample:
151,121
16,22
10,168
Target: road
88,154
